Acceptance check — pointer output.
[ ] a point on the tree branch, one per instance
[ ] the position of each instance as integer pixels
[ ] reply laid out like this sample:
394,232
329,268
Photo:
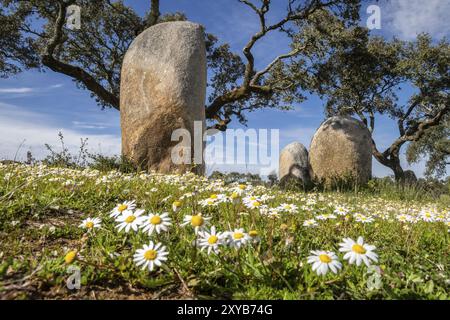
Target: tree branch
251,77
259,74
154,13
75,72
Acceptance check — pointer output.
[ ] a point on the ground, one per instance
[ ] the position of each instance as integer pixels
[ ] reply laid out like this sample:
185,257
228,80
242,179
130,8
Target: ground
266,243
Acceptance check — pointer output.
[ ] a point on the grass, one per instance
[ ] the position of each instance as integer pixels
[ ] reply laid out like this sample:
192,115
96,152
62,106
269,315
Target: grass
41,209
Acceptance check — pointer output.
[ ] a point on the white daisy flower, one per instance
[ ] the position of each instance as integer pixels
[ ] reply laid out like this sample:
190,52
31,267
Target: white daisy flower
240,189
234,198
210,240
310,223
322,217
269,212
213,200
198,222
403,217
364,219
90,223
322,261
427,215
253,204
358,251
150,255
130,220
254,236
156,222
341,211
249,199
238,238
120,208
287,207
176,206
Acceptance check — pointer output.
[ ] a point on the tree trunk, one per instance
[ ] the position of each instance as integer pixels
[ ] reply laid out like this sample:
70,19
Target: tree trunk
399,174
391,159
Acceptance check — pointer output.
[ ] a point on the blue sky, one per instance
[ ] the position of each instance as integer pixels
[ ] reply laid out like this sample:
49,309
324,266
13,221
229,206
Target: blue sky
35,106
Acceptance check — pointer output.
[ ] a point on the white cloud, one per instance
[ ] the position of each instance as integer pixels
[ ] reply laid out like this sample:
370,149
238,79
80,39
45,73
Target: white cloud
22,131
88,125
407,18
16,90
28,90
56,86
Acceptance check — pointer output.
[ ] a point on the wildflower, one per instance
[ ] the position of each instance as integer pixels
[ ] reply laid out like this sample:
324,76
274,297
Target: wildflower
198,222
358,251
341,211
15,223
156,222
251,201
150,255
238,238
269,212
310,223
325,216
213,200
70,256
235,198
240,189
254,236
427,215
286,207
120,208
255,204
90,223
403,217
130,220
176,206
210,240
323,260
364,219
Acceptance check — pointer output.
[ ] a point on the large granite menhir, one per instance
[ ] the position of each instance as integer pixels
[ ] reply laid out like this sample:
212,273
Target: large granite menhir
341,149
294,165
163,88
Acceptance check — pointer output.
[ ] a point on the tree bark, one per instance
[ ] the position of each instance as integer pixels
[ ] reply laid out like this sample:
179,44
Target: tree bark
399,173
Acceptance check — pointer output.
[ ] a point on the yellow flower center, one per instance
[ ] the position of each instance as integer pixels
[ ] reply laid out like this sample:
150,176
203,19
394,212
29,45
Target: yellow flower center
238,235
130,219
256,204
197,221
253,233
70,256
325,258
252,198
89,224
177,204
213,196
234,195
210,202
358,248
150,255
212,239
155,220
122,207
242,186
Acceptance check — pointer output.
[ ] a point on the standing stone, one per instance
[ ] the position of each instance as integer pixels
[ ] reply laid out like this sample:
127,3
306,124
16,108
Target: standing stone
163,88
294,165
341,150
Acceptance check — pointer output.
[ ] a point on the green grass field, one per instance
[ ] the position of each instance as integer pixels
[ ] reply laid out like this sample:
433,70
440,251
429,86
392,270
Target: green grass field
261,248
